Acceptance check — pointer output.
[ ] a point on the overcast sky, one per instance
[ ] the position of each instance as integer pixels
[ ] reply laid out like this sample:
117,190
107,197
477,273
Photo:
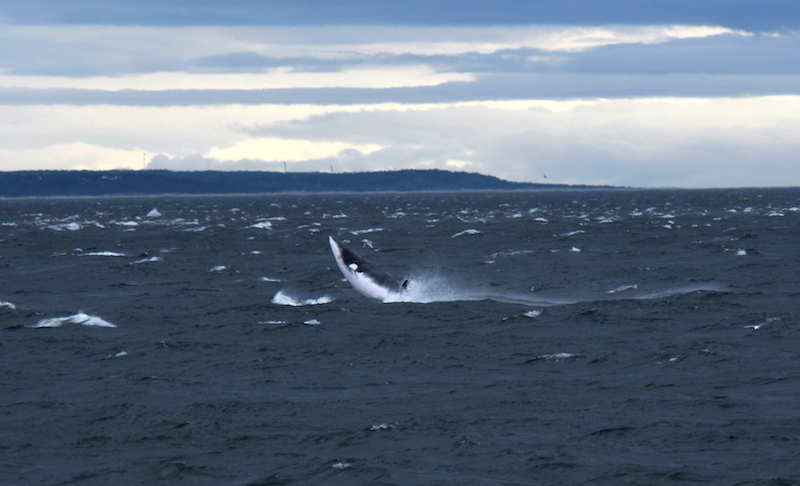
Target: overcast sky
651,93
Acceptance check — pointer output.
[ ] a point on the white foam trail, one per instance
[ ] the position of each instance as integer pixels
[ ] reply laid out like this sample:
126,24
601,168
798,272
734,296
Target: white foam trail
79,318
283,299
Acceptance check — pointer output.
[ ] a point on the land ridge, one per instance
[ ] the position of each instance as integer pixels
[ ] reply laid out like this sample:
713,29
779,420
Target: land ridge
154,182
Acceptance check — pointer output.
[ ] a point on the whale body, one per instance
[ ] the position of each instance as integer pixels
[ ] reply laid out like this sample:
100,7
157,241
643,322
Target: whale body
365,277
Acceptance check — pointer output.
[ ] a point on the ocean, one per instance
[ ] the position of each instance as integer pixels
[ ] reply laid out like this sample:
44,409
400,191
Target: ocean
620,337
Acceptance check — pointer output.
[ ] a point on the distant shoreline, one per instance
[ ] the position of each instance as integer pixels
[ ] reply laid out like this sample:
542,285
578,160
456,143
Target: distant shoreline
18,184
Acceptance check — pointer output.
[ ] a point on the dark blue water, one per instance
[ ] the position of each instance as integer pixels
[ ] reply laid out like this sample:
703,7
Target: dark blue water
598,337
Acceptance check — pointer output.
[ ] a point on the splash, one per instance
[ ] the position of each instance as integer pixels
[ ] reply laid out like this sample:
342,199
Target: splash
283,299
429,289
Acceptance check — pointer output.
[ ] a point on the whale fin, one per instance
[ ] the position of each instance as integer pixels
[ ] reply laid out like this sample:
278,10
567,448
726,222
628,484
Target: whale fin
365,277
404,285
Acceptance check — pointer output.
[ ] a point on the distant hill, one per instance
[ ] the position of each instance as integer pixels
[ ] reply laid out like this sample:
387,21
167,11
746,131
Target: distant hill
150,182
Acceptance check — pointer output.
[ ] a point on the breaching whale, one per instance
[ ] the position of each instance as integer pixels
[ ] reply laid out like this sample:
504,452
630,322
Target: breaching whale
362,275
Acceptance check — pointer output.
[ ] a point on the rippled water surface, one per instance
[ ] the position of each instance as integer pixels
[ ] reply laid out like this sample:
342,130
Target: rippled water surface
576,337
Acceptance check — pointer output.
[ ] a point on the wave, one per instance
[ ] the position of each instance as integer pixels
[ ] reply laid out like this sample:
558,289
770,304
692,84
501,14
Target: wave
79,318
282,298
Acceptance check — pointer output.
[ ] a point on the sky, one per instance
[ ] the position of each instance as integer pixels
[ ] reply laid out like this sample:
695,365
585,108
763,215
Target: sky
644,93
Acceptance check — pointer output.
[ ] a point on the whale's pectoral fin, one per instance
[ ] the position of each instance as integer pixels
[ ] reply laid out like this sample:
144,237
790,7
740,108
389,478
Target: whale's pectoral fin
404,285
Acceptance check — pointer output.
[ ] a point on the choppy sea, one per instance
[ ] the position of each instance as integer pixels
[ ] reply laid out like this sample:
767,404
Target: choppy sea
613,337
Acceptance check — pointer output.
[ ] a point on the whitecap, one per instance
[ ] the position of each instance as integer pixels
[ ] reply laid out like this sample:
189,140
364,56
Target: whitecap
559,356
8,304
760,325
150,260
73,226
130,224
553,357
154,213
622,288
573,233
533,313
365,231
283,299
103,254
268,279
312,322
741,252
79,318
261,225
218,268
575,249
466,232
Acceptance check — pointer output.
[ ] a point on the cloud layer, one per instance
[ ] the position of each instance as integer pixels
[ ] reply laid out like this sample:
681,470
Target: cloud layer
646,97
